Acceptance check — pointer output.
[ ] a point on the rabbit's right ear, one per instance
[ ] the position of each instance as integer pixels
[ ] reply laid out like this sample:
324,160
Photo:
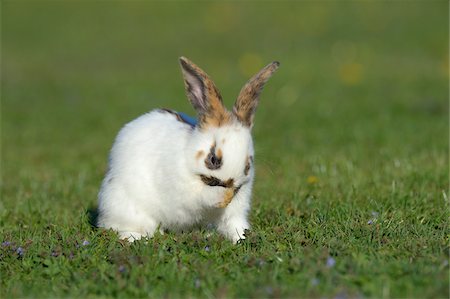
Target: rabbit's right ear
203,95
247,101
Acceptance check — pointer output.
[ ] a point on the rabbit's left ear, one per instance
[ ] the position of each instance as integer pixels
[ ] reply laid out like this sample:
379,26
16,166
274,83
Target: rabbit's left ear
203,95
245,107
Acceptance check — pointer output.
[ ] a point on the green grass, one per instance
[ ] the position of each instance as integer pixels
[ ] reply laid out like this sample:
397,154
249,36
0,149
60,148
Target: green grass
351,136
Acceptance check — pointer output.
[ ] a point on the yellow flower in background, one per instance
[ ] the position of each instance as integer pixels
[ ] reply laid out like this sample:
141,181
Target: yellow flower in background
250,63
345,53
351,73
312,179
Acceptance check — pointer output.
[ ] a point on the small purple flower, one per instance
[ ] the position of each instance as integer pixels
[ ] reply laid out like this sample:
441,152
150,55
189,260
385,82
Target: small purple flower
20,251
207,248
330,262
197,283
6,243
122,268
85,243
341,295
269,290
54,253
261,262
370,222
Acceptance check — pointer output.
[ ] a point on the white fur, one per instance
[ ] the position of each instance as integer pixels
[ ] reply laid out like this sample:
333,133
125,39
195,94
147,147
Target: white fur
153,178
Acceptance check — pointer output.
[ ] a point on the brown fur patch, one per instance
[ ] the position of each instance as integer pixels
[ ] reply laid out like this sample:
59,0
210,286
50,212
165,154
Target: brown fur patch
215,182
176,115
228,183
215,118
248,98
229,194
248,165
217,115
199,154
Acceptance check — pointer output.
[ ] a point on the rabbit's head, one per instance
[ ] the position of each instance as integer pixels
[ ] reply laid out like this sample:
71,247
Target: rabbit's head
220,151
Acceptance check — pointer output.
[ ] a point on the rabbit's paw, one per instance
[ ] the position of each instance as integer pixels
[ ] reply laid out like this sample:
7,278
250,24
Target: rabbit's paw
131,236
229,194
234,230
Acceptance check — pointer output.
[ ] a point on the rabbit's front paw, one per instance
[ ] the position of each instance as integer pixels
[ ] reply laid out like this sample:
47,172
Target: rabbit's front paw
130,236
228,197
234,230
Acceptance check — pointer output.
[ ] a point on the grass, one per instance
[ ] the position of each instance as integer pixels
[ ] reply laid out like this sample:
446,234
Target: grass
351,191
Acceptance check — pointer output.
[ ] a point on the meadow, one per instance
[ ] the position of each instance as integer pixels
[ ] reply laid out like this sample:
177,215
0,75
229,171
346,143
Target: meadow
351,139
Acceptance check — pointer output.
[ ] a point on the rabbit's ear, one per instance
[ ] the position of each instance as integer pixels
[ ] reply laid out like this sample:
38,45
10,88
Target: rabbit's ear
247,101
203,95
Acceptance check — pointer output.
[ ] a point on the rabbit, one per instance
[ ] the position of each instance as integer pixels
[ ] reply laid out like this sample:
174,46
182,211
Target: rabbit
170,172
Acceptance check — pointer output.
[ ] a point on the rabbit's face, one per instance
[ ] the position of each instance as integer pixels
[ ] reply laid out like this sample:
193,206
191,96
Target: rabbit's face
223,156
220,152
220,160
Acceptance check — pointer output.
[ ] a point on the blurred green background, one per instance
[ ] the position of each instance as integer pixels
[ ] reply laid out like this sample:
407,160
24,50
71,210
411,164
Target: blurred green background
74,72
356,116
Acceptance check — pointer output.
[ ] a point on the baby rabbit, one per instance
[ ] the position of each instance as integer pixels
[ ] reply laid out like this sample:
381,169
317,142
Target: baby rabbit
168,171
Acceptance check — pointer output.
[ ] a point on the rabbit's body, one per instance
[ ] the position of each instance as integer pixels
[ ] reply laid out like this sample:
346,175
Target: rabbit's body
149,184
167,172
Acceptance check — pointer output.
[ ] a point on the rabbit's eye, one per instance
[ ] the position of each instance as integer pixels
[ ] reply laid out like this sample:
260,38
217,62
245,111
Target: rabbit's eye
248,165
